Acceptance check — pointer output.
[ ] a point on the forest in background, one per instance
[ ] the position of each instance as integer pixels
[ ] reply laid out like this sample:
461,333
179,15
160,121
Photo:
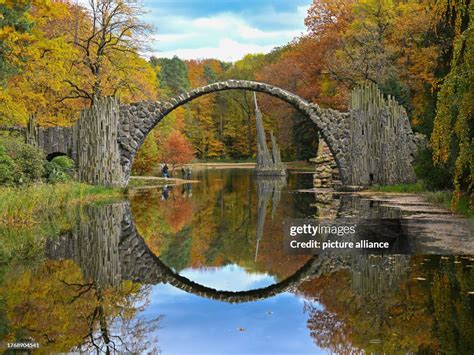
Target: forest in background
56,59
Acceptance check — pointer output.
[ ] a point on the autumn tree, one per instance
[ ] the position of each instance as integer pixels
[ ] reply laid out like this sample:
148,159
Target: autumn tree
53,59
202,115
14,30
418,52
453,136
109,37
239,127
146,158
39,84
176,150
299,68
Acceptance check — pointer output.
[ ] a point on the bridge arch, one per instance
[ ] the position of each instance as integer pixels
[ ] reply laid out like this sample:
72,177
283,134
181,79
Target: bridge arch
137,120
140,264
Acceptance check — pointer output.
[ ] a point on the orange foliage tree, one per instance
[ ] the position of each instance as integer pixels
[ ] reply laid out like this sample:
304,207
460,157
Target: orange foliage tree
176,150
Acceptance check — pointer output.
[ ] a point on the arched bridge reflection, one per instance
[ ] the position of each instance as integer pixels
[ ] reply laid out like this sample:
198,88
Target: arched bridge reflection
108,248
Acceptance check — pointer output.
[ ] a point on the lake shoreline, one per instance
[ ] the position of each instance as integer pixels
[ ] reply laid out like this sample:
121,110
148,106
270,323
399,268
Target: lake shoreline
26,206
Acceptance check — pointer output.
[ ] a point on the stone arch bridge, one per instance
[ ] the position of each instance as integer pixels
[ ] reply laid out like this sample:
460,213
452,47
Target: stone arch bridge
373,139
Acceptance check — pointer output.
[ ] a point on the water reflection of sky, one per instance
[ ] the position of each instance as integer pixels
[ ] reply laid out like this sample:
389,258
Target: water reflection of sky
196,325
229,278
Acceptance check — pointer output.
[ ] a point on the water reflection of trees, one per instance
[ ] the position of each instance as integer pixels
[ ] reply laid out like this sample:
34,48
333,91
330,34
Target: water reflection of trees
81,303
120,330
232,215
406,304
57,307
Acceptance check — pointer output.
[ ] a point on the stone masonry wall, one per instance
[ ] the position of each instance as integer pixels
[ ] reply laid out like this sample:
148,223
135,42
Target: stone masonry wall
52,140
327,172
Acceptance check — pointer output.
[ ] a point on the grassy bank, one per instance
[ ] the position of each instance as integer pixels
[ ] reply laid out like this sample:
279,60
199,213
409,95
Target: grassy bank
224,160
24,206
442,198
401,188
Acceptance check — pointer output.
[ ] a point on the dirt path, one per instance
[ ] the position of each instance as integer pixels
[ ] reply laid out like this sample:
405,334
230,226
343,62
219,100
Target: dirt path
432,228
437,228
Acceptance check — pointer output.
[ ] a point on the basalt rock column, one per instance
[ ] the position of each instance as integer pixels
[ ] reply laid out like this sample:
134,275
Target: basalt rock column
94,243
382,144
31,133
98,150
267,164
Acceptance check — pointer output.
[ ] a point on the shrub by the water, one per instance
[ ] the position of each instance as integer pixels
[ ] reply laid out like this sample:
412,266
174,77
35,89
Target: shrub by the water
7,168
60,169
435,177
21,163
28,161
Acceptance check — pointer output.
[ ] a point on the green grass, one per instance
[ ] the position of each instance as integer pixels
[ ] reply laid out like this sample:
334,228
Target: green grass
24,206
444,198
441,198
148,182
403,188
28,215
226,160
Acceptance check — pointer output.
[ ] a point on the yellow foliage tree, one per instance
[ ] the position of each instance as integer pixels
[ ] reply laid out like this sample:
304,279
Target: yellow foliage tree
55,80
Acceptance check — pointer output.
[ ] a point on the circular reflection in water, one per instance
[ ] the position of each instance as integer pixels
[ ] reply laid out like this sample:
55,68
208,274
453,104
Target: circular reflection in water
225,230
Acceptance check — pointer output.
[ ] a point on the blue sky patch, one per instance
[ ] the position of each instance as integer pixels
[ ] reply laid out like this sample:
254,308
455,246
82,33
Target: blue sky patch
223,29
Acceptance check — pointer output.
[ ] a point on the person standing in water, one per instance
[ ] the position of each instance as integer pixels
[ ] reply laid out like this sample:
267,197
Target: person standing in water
188,173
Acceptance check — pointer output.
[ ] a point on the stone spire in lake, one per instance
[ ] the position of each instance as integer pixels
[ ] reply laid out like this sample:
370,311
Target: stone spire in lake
267,164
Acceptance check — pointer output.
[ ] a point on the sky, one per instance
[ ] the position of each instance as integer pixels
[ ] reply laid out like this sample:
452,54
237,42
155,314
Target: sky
196,325
222,29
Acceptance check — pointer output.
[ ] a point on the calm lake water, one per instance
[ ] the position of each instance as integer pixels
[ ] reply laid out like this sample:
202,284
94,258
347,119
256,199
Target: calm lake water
201,269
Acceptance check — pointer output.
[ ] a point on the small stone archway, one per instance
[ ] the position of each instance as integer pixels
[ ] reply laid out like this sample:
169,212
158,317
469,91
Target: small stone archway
53,155
137,120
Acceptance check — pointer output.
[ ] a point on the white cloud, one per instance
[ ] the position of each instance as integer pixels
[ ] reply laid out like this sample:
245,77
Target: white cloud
84,3
171,38
227,50
220,22
232,26
225,36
